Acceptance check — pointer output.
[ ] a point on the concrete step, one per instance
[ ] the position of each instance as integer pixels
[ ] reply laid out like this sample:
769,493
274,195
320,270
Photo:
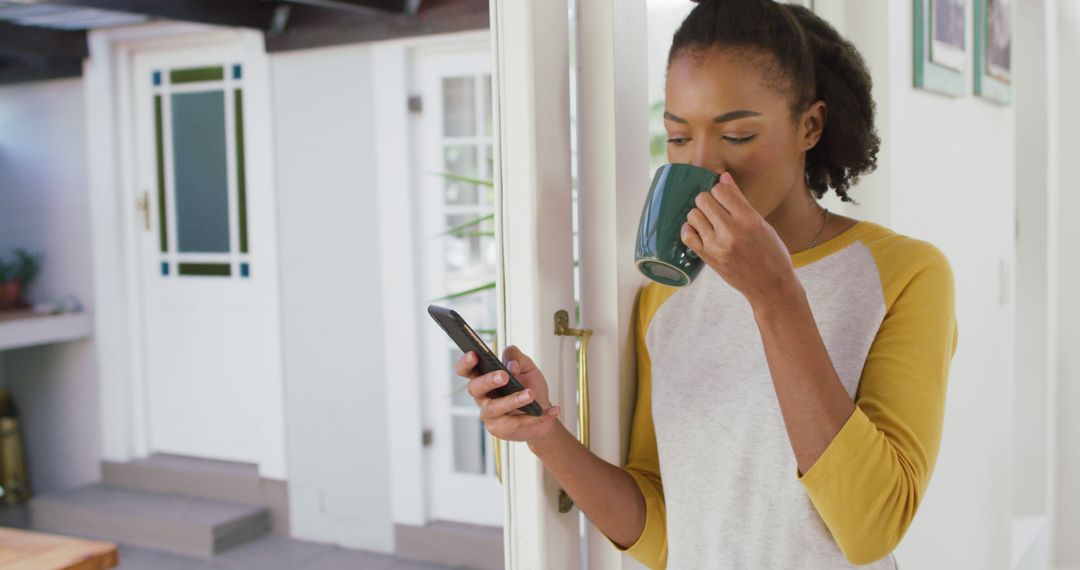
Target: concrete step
202,478
174,523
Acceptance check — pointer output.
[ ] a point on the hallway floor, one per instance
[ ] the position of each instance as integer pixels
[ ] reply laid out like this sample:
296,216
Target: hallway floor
266,553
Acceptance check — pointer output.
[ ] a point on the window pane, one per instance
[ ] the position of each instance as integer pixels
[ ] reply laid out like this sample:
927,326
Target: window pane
201,183
478,309
459,393
490,190
487,105
459,107
460,160
469,435
469,250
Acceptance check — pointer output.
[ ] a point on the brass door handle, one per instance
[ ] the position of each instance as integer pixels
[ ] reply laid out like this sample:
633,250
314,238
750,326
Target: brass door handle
563,328
143,206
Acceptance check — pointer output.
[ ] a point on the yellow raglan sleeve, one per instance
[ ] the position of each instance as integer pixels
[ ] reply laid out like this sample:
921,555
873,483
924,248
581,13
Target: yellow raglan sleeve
643,463
868,483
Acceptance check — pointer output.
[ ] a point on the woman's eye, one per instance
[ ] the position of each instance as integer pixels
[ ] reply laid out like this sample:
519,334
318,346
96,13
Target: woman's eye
678,141
739,140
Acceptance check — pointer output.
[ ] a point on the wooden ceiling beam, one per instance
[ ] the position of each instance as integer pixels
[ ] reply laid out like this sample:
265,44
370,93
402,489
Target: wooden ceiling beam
21,69
46,42
310,28
240,13
390,6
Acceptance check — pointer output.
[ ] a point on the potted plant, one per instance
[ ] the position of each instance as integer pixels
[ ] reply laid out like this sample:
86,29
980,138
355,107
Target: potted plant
16,275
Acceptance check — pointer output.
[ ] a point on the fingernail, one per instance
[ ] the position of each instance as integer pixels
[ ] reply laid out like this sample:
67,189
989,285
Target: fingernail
498,379
553,410
524,397
726,178
513,366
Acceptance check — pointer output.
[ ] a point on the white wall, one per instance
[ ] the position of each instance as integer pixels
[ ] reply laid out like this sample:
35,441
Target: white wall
331,312
1032,371
44,208
951,182
1067,207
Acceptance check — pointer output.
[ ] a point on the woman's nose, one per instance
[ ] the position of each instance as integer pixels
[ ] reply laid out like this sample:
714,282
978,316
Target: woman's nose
704,157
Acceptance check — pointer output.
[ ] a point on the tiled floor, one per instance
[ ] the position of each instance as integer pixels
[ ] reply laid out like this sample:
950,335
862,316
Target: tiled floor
266,553
270,553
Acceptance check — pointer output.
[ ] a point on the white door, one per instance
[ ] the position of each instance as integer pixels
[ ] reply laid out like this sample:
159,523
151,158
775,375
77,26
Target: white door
205,245
456,207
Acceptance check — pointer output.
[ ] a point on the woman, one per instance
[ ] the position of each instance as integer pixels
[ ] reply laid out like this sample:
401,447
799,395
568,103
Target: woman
790,401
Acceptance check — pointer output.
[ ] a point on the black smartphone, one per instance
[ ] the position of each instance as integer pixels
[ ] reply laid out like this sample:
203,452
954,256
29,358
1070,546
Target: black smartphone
467,339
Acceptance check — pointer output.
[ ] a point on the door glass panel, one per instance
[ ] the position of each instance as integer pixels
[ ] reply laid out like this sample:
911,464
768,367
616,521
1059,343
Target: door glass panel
470,249
487,105
460,160
459,107
469,445
200,172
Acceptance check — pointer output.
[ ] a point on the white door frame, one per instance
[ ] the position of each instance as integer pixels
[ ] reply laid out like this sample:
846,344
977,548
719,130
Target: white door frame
533,197
532,68
111,163
613,178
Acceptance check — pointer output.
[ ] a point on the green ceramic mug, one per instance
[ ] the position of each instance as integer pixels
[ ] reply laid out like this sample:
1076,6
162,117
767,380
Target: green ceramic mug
661,254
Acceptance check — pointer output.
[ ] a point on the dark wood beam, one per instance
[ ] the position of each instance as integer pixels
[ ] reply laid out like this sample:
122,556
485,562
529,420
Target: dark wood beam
310,28
392,6
34,68
46,42
240,13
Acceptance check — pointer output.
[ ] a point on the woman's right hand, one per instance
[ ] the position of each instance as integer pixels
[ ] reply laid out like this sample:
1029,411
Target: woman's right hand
500,414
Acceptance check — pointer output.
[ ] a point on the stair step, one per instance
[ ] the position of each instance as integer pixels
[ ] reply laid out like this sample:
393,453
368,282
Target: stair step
203,478
188,476
184,525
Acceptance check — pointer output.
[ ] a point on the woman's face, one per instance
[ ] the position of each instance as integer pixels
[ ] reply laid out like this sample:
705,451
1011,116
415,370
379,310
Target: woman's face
721,114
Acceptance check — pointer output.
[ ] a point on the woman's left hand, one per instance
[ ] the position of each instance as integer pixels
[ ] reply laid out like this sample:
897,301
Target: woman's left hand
736,242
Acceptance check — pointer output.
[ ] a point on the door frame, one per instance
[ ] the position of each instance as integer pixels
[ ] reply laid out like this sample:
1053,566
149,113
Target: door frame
117,290
532,70
535,264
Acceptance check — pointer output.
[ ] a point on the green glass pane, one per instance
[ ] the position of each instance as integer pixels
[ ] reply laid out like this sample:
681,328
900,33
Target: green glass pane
205,269
158,138
197,74
241,184
469,436
461,160
459,107
200,185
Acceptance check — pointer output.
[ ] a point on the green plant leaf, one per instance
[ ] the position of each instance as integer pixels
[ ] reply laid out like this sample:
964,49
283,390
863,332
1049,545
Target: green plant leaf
465,179
467,224
460,294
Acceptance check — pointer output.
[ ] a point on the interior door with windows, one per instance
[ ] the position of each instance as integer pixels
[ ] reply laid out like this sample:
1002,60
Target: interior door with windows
205,250
457,204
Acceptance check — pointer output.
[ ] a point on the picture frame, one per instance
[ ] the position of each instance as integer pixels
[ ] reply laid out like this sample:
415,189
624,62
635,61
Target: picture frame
993,50
939,51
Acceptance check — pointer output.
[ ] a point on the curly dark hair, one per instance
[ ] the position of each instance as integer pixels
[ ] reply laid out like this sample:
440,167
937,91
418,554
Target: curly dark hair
810,61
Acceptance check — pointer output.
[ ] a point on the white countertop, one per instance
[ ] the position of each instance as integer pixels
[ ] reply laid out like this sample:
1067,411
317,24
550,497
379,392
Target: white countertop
23,328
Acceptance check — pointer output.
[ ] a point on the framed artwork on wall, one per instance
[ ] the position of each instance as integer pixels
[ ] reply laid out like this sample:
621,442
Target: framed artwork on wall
993,50
940,46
